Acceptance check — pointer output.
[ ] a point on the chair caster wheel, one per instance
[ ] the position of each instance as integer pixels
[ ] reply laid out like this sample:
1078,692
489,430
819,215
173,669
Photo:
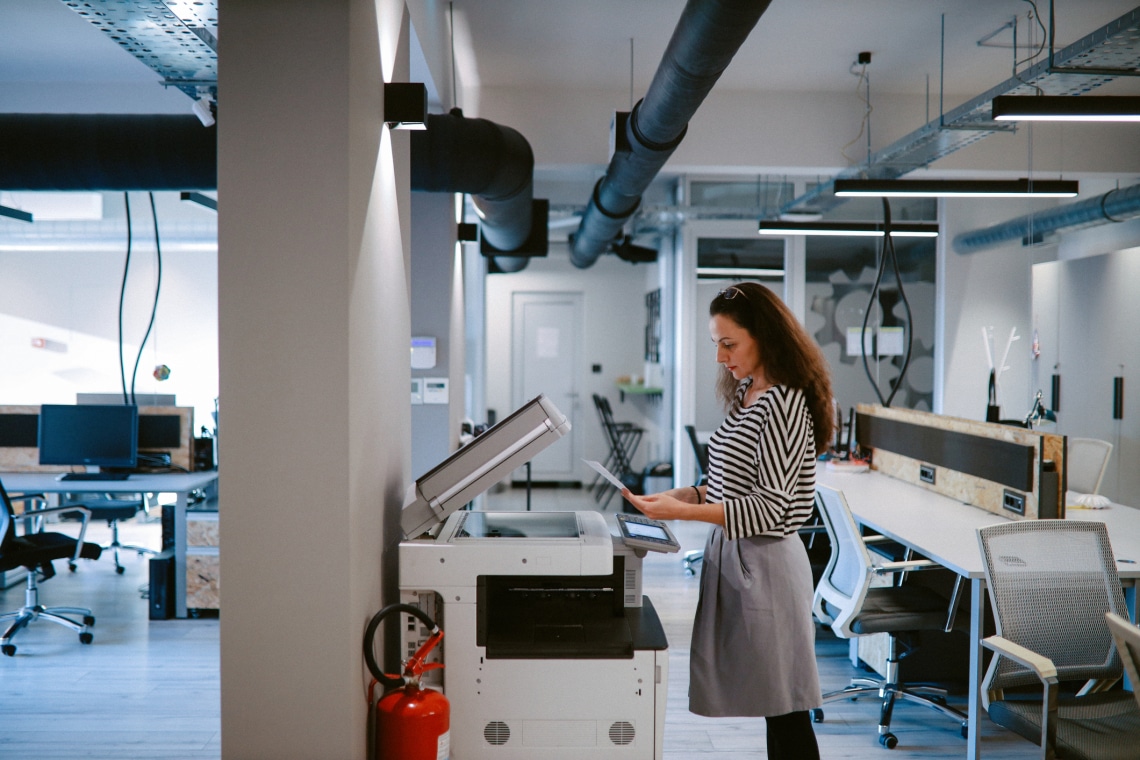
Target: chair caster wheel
120,570
816,715
965,730
88,620
86,638
72,566
890,741
9,649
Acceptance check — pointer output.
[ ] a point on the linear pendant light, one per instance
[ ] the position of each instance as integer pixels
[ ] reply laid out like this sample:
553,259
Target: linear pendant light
847,229
1066,108
956,188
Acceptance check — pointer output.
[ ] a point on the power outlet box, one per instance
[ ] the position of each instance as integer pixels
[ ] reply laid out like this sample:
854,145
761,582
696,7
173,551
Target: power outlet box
926,473
1013,501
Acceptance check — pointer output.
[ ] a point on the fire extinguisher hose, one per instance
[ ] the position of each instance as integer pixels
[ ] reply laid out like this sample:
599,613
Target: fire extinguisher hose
389,682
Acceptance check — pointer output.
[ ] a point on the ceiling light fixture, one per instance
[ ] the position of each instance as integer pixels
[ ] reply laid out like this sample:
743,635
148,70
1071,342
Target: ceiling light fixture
956,188
15,213
405,105
1066,108
734,272
847,229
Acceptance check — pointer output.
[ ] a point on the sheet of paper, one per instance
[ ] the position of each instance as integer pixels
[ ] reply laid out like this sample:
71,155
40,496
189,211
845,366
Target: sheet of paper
601,470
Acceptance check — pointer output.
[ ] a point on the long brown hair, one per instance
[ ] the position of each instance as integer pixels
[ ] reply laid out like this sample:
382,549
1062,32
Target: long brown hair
789,355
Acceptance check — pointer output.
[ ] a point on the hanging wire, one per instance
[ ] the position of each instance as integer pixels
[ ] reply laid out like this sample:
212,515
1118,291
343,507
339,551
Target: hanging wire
122,298
157,289
865,124
888,255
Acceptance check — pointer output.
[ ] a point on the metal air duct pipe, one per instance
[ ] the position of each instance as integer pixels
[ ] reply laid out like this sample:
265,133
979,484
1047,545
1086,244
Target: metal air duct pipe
704,41
106,152
1113,206
492,163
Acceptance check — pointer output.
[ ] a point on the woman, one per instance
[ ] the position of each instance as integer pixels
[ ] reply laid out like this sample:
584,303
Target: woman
753,649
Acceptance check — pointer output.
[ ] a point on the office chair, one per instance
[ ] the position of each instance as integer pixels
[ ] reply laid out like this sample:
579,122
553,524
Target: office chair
623,439
1126,636
108,507
1050,584
35,551
691,558
845,600
1086,460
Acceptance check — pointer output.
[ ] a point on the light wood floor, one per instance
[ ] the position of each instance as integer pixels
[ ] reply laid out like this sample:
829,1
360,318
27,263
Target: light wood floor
149,689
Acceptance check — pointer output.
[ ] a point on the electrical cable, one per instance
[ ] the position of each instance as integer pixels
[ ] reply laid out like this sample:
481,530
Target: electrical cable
122,297
157,289
888,254
863,125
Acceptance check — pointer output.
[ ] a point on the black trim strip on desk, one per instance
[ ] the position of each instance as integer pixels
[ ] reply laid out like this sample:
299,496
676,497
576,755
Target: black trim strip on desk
1010,464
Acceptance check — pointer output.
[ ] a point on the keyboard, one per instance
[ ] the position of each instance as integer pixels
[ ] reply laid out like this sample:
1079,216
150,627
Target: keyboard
95,476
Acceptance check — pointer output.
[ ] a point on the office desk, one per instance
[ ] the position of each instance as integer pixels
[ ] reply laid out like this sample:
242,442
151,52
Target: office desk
179,484
945,530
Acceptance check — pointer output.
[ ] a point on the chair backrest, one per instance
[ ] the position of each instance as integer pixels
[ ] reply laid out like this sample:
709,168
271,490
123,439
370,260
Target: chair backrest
7,520
843,586
1050,584
1086,459
699,449
1127,638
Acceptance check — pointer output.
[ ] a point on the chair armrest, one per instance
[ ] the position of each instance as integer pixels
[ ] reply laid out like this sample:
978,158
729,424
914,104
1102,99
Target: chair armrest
1045,670
82,528
910,564
1041,665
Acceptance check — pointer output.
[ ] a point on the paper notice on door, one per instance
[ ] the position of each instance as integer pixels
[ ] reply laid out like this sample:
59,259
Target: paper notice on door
853,334
547,342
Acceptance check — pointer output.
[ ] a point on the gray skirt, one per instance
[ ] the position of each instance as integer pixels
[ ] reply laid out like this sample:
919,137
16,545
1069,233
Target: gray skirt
753,649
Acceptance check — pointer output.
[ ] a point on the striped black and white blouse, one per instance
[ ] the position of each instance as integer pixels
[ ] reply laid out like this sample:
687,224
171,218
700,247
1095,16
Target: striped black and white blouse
762,464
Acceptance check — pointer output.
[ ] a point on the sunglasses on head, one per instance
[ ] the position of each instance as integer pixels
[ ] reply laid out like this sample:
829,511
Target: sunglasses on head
732,292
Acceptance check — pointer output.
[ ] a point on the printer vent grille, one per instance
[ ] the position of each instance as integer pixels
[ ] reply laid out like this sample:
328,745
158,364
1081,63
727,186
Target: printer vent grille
621,732
497,732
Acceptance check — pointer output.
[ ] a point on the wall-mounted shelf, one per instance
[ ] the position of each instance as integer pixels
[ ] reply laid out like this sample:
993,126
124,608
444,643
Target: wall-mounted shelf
638,390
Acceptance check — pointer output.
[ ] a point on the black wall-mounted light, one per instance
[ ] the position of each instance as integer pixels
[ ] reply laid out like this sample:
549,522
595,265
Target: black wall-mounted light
405,105
1066,108
956,188
467,232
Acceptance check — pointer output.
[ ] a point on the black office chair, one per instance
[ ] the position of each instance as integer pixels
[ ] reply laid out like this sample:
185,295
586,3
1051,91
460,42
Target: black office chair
623,439
36,551
845,600
113,508
1050,584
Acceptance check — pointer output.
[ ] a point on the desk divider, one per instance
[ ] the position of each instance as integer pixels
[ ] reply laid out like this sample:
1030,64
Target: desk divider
19,450
1010,471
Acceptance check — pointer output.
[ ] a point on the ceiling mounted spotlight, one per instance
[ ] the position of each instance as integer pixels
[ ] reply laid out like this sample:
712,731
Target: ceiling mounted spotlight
405,105
847,229
956,188
1066,108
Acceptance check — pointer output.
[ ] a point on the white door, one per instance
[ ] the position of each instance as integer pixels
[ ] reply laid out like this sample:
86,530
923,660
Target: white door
545,348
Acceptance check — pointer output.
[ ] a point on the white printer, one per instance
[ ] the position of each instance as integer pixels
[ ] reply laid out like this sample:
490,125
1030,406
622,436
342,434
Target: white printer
550,650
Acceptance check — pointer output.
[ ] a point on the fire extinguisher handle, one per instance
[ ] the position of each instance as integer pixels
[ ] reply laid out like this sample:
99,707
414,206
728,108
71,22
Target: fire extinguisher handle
390,682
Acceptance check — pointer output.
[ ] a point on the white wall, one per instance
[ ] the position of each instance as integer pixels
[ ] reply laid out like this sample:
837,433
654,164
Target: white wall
314,243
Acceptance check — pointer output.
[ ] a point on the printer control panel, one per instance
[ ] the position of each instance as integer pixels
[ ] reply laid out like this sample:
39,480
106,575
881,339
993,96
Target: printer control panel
639,532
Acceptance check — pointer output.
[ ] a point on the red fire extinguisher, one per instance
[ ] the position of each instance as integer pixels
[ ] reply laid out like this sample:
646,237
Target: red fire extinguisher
411,723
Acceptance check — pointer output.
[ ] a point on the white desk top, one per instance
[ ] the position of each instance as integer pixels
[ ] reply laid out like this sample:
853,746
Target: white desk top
49,482
945,530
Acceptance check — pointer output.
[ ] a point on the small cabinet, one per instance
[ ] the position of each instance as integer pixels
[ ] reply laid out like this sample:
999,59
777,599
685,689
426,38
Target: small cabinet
203,574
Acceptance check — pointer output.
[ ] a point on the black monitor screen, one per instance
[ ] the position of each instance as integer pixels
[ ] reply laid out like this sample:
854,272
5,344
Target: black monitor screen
96,435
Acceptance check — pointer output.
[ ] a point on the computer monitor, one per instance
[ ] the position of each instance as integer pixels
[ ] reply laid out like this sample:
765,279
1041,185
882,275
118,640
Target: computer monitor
86,434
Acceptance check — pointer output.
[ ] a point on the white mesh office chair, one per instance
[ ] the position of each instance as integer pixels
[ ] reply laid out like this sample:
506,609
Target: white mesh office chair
845,600
1086,459
1127,639
1050,584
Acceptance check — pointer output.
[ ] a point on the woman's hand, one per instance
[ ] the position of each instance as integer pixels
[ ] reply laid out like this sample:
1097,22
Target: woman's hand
659,506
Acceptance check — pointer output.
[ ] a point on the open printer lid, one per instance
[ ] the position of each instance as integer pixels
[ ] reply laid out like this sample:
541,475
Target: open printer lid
473,469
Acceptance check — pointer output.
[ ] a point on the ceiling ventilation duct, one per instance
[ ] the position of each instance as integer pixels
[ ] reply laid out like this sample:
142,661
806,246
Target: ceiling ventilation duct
704,41
106,152
1113,206
492,163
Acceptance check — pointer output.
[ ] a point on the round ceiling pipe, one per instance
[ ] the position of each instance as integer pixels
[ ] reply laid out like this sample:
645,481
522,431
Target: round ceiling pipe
492,163
106,152
704,41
